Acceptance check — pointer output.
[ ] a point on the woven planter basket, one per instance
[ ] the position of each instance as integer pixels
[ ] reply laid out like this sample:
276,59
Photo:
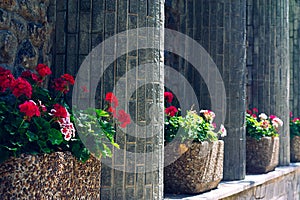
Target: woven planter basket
199,169
49,176
295,149
263,155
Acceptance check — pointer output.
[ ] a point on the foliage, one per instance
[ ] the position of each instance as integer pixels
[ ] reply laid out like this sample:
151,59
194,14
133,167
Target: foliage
263,125
34,120
196,127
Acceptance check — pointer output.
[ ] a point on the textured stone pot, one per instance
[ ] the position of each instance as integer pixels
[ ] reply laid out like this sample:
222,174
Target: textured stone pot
199,169
49,176
295,149
262,155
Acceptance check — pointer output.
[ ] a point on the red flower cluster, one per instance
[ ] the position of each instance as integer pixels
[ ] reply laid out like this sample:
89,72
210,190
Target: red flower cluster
253,112
112,99
43,70
21,87
123,118
63,83
6,79
28,74
59,111
171,111
168,97
30,109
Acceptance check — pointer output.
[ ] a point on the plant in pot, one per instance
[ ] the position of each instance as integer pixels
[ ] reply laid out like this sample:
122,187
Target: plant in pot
295,138
193,153
262,143
42,156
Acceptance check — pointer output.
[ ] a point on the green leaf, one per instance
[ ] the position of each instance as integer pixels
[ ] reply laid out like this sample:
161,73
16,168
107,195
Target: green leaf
43,146
101,113
9,148
41,123
31,136
55,137
10,129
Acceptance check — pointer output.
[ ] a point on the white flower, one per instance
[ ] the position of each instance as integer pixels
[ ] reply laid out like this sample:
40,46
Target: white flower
263,116
277,122
222,131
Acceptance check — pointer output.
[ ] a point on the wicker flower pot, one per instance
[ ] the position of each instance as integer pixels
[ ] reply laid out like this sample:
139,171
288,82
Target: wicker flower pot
49,176
262,155
295,149
199,169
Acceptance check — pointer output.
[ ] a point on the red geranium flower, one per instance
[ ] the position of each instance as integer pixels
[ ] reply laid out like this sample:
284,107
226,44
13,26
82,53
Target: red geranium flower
123,118
112,110
68,78
20,86
255,110
59,111
43,70
61,85
28,74
171,111
111,98
6,79
249,112
30,109
168,96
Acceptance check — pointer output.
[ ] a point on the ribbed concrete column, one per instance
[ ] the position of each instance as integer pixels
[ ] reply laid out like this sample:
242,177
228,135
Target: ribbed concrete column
80,26
268,63
220,27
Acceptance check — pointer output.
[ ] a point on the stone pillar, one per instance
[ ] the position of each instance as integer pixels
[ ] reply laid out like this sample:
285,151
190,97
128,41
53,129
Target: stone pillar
220,27
294,18
81,25
25,34
268,63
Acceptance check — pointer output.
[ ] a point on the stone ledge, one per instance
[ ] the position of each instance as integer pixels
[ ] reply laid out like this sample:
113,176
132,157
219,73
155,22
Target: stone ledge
231,188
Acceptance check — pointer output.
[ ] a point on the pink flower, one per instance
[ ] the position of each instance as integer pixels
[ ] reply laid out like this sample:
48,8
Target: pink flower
291,114
249,112
255,110
168,96
222,131
67,127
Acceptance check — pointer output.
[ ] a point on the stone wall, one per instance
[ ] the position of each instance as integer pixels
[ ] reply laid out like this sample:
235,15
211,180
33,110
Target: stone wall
25,33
